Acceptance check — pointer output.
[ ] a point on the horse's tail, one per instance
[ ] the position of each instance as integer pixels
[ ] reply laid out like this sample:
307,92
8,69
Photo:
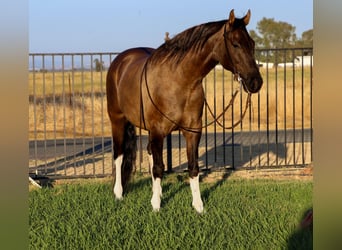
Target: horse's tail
129,154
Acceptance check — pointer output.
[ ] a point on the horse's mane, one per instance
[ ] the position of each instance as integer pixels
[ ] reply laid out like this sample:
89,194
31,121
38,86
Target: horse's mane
193,38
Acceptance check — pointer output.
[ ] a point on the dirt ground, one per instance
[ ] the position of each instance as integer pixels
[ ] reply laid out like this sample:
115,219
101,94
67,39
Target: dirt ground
305,174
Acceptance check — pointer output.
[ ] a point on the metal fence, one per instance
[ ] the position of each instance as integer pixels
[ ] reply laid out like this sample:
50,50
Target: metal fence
70,134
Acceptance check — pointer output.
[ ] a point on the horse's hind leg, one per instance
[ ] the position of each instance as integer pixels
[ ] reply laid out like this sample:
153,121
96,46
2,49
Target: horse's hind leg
156,148
117,134
124,147
192,142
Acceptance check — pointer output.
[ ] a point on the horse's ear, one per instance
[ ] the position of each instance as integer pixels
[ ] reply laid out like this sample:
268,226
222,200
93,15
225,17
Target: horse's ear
247,17
231,17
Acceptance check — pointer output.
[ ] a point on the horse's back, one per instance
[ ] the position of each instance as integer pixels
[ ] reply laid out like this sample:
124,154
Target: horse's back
132,58
131,55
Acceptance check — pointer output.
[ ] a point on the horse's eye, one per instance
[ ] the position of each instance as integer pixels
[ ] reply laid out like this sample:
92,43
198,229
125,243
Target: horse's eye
236,45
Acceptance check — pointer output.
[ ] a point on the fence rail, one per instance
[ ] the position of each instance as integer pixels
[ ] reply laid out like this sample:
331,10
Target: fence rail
69,131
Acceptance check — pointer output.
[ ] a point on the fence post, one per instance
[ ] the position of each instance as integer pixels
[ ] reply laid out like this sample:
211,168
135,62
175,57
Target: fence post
169,152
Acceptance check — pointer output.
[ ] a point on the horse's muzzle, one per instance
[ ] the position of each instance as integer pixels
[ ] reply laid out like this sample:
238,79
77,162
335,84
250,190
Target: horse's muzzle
252,84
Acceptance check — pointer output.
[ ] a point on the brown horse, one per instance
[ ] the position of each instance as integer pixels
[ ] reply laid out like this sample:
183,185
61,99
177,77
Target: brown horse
160,90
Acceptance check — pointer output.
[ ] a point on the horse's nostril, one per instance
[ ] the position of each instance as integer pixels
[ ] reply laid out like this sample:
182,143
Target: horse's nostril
255,84
258,84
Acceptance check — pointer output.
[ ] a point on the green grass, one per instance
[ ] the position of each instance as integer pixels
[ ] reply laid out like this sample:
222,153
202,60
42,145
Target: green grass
239,214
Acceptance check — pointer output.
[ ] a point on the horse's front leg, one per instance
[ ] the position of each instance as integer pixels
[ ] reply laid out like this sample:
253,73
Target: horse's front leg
156,146
192,143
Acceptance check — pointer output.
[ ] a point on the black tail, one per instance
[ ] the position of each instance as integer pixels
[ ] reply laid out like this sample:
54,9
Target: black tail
129,154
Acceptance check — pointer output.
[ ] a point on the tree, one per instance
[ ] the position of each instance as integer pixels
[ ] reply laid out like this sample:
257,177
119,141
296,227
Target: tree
274,34
306,39
99,65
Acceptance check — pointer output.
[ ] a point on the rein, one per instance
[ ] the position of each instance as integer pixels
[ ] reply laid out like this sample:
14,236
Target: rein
144,75
216,119
190,129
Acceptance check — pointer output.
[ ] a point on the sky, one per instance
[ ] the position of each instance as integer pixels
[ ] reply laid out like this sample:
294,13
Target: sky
58,26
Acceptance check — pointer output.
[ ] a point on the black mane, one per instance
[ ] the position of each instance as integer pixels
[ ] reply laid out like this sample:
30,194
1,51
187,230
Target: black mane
193,38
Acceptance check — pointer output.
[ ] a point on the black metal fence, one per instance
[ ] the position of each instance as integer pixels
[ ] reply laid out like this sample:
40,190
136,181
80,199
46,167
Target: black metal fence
69,131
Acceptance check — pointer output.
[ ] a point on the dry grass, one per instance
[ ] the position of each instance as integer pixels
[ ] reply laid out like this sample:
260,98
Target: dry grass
69,104
84,118
58,113
285,104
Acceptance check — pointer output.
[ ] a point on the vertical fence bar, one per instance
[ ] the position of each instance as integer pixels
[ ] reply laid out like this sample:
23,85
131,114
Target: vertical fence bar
303,107
72,104
102,116
54,112
34,112
250,154
233,129
64,112
241,125
215,109
111,138
276,105
267,109
44,113
83,119
259,134
223,119
294,108
179,148
206,122
169,152
285,100
92,96
140,153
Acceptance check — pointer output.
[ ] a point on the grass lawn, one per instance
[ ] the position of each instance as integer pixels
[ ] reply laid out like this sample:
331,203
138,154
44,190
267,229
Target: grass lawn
239,214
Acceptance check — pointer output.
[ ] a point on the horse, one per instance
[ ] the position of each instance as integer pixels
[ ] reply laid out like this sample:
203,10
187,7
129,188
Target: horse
160,90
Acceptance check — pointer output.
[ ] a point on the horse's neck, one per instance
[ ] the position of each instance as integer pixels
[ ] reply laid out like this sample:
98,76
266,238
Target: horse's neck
198,65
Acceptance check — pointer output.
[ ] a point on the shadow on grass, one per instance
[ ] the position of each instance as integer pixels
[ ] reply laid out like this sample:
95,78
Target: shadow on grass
170,191
171,186
302,238
228,156
206,192
136,183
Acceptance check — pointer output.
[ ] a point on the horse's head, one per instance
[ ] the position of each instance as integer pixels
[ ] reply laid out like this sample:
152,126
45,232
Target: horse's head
236,53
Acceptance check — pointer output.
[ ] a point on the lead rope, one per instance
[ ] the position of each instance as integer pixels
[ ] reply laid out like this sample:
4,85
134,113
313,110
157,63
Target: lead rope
216,119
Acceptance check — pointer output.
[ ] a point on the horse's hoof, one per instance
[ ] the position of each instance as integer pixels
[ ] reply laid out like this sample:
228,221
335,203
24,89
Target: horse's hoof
118,198
118,191
155,202
198,207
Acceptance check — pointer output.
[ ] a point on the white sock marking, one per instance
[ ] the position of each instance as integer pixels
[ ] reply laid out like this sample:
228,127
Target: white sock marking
156,194
118,185
196,194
